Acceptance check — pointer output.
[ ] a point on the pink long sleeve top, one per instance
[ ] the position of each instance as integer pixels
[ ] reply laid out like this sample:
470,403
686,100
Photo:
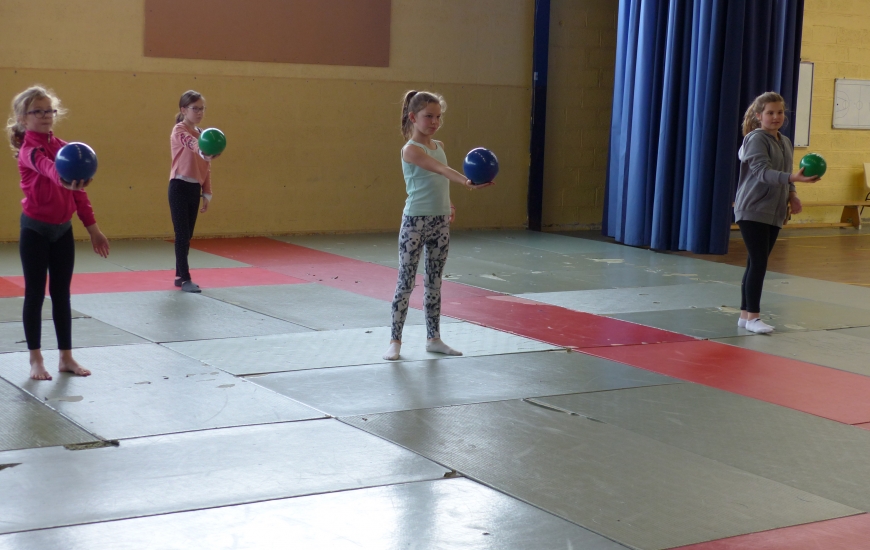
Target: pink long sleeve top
45,198
186,159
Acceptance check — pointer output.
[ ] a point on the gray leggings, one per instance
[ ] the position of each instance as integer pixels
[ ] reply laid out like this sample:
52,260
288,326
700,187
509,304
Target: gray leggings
417,232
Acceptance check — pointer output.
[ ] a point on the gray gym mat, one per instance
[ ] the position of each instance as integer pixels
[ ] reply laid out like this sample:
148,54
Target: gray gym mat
26,423
315,306
826,347
858,332
810,315
86,260
339,348
822,291
171,316
86,332
704,323
521,282
426,515
786,316
148,255
437,383
664,298
11,308
544,241
146,389
196,470
807,452
625,486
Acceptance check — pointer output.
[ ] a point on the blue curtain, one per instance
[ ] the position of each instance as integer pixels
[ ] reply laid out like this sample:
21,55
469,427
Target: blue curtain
686,70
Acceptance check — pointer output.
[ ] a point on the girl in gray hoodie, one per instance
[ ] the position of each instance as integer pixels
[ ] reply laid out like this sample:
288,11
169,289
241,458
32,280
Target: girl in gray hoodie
765,193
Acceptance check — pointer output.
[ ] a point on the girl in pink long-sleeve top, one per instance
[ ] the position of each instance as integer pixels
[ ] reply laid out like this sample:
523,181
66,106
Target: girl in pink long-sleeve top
46,244
189,179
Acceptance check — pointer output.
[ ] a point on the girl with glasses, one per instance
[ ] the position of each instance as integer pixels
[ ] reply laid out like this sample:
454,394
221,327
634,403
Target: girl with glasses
46,244
189,179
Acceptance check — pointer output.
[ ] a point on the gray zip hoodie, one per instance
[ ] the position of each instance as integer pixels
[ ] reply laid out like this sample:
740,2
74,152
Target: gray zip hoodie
765,166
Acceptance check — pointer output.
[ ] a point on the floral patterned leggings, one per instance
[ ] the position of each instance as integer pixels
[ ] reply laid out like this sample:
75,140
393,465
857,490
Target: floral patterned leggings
417,232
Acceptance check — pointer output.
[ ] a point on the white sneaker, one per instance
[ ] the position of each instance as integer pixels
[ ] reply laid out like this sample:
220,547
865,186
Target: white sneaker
758,326
741,323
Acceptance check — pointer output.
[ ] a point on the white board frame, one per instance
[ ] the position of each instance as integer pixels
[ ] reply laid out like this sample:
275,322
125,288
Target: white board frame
804,109
851,91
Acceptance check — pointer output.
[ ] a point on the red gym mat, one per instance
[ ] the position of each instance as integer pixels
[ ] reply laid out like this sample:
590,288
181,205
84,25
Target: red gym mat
553,324
822,391
265,252
849,533
863,426
368,279
8,289
137,281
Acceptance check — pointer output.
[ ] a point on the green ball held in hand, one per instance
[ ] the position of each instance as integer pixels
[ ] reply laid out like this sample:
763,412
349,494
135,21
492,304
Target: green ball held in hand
813,165
212,142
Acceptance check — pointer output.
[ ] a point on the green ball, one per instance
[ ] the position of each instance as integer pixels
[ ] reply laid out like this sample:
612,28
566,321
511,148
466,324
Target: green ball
814,165
212,142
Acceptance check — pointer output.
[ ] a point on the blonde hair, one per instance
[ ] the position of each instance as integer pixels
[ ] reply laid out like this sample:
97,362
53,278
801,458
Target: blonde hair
188,98
750,119
20,105
415,102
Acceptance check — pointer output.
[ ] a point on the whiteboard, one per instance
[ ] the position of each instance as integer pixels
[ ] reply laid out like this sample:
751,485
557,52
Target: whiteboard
852,104
804,109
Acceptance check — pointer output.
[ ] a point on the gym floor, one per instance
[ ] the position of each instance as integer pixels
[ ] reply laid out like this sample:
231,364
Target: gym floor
606,400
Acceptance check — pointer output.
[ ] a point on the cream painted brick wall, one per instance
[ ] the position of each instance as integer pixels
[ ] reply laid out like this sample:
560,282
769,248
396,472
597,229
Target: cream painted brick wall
579,99
836,38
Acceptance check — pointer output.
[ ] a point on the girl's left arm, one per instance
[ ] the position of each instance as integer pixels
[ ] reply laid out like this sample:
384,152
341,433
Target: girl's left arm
86,213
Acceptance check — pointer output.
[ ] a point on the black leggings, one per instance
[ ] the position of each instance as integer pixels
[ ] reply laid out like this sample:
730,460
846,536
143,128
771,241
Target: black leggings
183,206
39,256
759,238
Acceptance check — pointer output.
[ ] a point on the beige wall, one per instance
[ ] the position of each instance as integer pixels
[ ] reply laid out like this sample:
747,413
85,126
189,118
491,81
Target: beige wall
310,148
579,100
836,38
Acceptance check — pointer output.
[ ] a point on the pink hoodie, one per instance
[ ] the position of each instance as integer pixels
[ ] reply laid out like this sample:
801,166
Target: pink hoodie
184,145
45,199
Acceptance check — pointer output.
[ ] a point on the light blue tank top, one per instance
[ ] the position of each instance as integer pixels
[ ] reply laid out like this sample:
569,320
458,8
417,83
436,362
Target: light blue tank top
428,192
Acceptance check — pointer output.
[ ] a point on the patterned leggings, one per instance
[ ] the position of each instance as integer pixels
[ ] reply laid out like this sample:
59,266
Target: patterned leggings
433,233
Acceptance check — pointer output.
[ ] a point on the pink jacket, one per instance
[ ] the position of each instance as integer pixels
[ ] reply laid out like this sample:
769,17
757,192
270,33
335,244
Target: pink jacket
45,199
186,161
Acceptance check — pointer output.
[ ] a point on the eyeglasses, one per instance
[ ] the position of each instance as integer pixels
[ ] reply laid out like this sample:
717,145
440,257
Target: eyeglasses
196,109
40,113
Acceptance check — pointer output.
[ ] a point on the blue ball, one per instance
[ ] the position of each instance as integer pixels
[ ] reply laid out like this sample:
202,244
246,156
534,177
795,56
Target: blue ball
76,161
480,165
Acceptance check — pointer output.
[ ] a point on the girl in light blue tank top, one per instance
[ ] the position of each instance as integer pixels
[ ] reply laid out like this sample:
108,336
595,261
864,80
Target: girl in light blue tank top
426,218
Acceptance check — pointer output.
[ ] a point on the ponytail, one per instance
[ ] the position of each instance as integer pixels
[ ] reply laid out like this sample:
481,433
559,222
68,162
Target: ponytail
20,104
414,102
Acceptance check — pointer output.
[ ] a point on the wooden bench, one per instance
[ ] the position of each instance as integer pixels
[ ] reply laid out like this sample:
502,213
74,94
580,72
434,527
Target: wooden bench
851,216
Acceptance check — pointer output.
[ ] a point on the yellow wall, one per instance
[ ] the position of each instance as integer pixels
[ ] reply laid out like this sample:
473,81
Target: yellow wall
836,38
310,148
579,100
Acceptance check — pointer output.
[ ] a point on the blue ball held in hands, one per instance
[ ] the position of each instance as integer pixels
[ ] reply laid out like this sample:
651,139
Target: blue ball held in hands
76,161
480,166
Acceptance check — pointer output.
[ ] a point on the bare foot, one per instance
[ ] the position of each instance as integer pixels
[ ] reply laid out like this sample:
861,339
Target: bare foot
38,372
68,364
37,367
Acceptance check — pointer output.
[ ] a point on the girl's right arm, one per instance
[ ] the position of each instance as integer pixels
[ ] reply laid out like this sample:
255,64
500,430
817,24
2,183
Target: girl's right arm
415,155
186,139
799,176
